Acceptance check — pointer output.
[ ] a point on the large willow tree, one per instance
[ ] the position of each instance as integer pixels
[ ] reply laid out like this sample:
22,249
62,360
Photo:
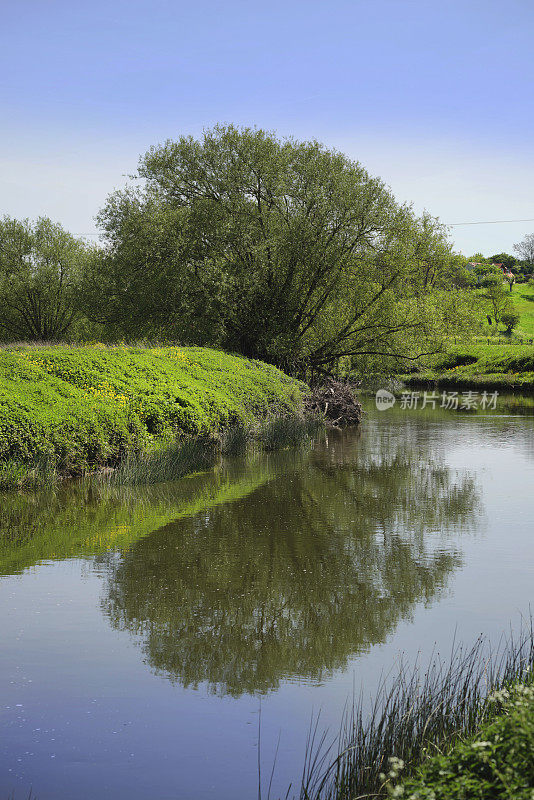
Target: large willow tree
279,250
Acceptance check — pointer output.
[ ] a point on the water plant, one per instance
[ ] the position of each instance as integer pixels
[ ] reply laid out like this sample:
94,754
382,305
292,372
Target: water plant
281,432
496,762
196,453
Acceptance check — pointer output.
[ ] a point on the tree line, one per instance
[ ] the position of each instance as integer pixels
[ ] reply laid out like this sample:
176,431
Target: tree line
280,250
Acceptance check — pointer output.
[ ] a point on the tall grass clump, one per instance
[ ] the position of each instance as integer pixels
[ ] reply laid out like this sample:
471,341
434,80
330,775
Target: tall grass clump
496,762
168,464
17,475
235,440
202,452
283,432
420,712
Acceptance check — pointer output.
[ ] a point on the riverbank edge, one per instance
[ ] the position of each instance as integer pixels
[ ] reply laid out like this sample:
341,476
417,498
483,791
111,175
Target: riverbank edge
69,411
478,366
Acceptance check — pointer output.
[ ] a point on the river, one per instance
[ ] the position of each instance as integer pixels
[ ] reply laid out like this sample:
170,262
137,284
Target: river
152,639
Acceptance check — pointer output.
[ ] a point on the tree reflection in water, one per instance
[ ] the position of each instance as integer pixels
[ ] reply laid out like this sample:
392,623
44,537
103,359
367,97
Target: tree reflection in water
316,565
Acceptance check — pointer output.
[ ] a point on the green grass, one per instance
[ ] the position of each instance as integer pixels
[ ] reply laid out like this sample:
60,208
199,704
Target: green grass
82,408
480,365
197,453
522,296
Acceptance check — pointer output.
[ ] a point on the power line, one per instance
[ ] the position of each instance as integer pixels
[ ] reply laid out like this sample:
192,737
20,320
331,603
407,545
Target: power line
449,225
489,222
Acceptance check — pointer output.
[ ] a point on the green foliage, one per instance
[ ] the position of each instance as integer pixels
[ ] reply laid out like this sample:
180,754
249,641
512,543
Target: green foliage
12,473
499,300
497,762
283,432
489,275
85,407
449,709
478,258
279,250
40,268
523,300
166,464
495,358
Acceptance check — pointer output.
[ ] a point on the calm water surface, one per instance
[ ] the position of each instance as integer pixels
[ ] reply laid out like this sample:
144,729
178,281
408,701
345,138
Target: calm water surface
146,633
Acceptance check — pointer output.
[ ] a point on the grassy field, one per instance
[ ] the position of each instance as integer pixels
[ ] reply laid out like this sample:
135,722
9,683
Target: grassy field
76,409
487,362
523,299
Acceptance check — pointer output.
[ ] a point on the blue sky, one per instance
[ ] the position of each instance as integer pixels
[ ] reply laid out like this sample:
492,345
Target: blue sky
435,98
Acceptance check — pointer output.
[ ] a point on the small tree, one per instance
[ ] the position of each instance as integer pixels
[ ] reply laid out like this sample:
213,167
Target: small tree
500,301
477,258
488,275
510,320
40,265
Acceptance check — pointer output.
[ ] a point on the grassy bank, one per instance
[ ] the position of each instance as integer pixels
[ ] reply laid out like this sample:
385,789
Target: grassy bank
429,726
491,360
479,366
70,410
523,300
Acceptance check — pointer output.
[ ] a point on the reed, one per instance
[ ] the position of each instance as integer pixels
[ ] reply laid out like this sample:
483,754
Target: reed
418,713
191,455
197,453
16,475
289,431
235,439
